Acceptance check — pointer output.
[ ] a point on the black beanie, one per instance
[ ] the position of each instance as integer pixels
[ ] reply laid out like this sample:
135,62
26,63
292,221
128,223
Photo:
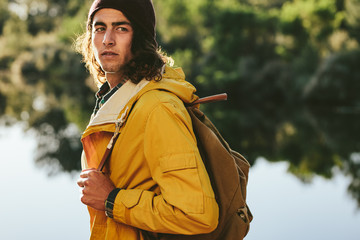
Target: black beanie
140,12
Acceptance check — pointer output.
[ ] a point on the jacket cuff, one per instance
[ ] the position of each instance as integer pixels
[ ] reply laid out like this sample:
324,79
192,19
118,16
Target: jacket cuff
125,201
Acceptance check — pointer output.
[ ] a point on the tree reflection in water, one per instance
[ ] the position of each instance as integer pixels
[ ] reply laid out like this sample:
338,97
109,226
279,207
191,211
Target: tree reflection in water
59,146
338,133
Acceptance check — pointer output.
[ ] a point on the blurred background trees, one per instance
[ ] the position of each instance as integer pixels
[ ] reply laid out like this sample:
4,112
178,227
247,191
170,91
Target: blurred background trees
290,68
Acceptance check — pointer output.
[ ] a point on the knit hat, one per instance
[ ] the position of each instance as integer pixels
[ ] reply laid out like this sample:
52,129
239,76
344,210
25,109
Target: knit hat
140,12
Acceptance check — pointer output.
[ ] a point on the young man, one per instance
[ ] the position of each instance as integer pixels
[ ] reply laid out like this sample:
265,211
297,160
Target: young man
155,181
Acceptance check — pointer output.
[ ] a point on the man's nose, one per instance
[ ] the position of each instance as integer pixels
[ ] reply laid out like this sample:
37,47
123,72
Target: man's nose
109,39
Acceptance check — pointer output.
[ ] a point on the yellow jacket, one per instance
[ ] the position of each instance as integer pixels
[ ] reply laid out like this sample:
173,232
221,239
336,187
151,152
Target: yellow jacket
155,161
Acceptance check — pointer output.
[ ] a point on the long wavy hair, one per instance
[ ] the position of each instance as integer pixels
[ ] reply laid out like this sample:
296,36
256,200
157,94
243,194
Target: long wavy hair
147,62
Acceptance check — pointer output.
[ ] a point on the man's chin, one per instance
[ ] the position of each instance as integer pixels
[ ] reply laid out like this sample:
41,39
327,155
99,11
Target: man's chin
111,70
109,73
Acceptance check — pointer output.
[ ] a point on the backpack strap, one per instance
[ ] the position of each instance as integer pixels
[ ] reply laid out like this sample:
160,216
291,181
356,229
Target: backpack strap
209,99
118,124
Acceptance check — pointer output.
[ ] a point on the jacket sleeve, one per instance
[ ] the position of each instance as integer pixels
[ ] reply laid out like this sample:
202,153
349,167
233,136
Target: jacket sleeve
186,202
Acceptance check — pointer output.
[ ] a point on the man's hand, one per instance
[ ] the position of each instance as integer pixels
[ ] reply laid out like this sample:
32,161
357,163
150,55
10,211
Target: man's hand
95,188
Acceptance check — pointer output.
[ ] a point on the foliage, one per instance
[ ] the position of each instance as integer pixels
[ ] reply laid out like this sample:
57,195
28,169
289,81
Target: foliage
290,69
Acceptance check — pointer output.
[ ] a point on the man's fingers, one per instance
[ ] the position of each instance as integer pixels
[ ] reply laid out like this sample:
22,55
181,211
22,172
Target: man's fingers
95,186
83,182
83,199
80,182
88,169
85,175
88,172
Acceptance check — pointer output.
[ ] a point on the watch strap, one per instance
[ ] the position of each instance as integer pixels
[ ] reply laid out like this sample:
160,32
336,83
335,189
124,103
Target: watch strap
109,203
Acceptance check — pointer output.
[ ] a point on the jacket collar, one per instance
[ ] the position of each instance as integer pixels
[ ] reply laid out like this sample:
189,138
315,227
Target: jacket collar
109,112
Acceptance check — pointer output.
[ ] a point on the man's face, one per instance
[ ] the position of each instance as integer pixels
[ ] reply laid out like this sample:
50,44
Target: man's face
111,40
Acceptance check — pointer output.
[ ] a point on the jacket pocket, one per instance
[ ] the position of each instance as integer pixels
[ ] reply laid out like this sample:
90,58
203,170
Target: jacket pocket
132,198
175,162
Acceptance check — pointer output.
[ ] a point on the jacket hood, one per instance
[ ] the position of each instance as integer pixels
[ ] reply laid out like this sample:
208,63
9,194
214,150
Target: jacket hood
173,80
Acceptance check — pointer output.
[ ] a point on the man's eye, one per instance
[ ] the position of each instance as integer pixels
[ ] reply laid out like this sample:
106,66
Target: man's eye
99,29
122,29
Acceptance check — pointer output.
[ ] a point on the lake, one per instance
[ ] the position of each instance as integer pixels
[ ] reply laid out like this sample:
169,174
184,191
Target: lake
37,206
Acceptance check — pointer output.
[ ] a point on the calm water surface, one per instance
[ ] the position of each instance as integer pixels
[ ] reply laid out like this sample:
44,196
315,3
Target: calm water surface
35,206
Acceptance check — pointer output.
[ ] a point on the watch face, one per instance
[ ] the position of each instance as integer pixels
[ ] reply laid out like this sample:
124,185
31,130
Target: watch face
109,208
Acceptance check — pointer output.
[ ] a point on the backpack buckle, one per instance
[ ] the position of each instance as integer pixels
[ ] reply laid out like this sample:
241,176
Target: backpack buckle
242,212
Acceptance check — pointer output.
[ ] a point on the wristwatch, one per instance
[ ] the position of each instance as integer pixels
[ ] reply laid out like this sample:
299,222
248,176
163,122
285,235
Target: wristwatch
109,202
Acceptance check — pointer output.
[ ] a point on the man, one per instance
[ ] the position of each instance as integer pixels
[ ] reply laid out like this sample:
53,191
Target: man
155,181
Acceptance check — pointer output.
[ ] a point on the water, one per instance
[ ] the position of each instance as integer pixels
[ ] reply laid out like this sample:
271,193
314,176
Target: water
284,208
35,206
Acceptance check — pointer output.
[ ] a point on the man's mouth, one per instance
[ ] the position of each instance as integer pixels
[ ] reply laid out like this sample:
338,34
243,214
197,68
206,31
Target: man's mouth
107,53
